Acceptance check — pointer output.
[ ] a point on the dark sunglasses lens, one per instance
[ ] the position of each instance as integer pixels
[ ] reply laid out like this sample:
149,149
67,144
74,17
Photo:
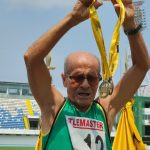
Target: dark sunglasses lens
92,79
79,78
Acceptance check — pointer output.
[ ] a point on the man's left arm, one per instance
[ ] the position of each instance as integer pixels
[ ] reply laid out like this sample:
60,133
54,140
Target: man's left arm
132,79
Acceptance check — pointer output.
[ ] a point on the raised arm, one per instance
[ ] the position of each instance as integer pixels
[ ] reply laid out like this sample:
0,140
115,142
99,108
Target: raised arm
38,74
46,95
132,79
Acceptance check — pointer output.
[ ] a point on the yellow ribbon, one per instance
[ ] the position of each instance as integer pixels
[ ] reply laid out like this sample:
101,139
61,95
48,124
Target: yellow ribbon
108,69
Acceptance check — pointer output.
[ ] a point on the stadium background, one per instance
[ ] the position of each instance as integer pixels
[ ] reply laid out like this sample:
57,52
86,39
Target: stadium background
19,116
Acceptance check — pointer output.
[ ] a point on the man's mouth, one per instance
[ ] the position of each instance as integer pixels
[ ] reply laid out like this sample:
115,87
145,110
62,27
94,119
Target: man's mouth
83,94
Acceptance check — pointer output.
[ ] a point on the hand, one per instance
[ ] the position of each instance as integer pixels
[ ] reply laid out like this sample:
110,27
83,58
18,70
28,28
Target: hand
80,11
129,22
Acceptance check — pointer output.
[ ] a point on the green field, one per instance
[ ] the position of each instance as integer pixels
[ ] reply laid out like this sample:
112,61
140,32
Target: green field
17,148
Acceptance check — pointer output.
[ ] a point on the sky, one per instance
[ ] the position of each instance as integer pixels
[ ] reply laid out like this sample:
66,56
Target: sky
24,21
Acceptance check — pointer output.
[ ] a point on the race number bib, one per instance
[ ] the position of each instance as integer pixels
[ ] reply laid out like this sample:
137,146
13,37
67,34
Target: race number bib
86,134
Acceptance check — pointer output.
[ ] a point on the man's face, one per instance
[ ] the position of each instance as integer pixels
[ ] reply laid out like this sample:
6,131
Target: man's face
82,82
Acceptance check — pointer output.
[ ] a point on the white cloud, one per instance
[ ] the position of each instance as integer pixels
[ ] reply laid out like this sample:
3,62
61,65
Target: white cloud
41,3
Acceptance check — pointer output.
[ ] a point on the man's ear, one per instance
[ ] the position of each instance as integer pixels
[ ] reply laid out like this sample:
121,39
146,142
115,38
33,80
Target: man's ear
64,79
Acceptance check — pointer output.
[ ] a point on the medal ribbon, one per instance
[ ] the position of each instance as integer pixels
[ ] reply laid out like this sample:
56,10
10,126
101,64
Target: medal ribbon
108,69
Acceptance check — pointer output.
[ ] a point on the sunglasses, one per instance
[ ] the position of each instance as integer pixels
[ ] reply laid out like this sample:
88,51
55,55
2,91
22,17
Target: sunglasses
92,79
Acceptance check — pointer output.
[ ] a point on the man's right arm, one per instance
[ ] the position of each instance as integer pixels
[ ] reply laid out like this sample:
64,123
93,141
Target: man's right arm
39,77
46,95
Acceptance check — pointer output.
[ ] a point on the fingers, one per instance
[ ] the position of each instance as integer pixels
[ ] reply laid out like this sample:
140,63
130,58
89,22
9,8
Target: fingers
114,2
117,8
87,3
97,4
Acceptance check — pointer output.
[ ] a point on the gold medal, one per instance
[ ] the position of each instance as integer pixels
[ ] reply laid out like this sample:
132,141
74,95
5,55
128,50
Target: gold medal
111,86
108,68
106,88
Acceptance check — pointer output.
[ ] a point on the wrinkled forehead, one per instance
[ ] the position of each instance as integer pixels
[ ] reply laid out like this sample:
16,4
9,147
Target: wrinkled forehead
79,61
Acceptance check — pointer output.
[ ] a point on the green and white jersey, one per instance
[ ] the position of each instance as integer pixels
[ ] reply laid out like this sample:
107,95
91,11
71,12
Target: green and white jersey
75,130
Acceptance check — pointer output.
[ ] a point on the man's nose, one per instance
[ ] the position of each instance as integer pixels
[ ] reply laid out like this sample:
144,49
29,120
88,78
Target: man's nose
85,83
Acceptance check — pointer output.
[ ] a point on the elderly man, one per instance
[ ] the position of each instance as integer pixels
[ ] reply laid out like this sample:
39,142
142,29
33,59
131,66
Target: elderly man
77,121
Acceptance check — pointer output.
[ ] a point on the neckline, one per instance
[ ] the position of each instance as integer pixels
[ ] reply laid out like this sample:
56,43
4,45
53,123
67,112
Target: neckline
81,112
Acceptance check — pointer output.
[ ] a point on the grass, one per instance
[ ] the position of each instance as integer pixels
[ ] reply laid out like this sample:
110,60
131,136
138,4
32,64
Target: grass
17,148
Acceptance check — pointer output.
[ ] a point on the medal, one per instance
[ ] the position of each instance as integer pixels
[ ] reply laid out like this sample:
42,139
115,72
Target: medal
108,68
111,86
106,88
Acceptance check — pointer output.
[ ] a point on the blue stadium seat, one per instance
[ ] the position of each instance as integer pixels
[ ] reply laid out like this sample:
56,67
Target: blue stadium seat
12,112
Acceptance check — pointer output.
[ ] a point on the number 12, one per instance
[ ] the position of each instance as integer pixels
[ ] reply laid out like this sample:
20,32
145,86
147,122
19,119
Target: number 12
97,139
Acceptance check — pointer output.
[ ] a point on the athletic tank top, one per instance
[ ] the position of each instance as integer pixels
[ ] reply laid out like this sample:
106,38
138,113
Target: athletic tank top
75,130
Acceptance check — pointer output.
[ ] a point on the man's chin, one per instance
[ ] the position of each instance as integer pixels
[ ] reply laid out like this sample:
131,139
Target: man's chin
84,101
85,98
